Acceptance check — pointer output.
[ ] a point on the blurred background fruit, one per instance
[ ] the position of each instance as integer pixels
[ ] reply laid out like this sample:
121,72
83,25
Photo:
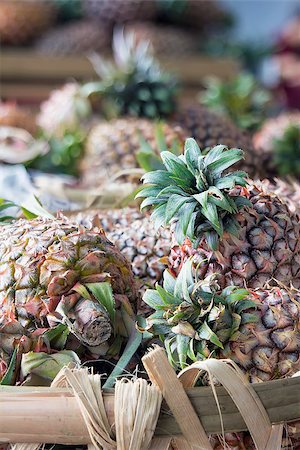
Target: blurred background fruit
77,37
21,21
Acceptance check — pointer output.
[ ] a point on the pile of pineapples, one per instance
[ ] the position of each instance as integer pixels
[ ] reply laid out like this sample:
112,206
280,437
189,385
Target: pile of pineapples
64,27
212,271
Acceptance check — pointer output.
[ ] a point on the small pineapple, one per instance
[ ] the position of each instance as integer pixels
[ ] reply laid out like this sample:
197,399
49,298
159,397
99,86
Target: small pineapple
54,273
228,224
112,148
22,21
241,99
77,37
134,84
119,11
12,115
210,129
166,40
278,145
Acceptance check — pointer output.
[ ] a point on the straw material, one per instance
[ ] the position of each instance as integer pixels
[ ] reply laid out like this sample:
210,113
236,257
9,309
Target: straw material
264,435
137,406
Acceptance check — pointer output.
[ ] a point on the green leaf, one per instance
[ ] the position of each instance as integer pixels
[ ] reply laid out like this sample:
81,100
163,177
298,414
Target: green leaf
183,343
192,153
158,177
174,204
227,159
205,332
57,336
158,216
132,346
152,298
176,167
104,294
9,377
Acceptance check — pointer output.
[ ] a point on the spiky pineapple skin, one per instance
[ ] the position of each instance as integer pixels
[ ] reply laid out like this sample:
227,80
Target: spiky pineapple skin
41,261
166,40
75,38
268,245
21,21
210,129
111,148
134,234
12,115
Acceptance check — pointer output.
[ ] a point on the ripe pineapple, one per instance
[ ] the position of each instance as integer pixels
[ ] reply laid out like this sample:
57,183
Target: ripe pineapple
209,129
288,191
119,11
53,271
21,21
246,234
75,38
166,40
134,234
111,148
258,329
134,83
278,145
12,115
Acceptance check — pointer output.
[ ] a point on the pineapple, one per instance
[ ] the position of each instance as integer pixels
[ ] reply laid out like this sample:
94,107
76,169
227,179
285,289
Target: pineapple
112,147
241,99
257,328
229,225
22,21
278,145
53,271
134,83
75,38
209,129
63,111
166,40
134,234
12,115
119,11
287,190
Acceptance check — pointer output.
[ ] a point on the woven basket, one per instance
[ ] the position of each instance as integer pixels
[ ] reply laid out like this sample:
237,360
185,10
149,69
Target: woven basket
74,410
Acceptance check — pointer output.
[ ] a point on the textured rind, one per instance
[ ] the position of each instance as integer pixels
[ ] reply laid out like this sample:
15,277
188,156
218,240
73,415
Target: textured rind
268,246
41,261
210,129
111,147
133,233
75,38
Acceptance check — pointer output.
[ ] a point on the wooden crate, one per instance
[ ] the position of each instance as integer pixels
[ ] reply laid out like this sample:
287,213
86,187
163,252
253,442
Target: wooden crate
28,77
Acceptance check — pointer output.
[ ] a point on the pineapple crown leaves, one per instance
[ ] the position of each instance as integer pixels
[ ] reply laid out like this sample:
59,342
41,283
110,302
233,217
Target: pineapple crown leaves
193,191
147,157
134,83
242,99
195,318
286,155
